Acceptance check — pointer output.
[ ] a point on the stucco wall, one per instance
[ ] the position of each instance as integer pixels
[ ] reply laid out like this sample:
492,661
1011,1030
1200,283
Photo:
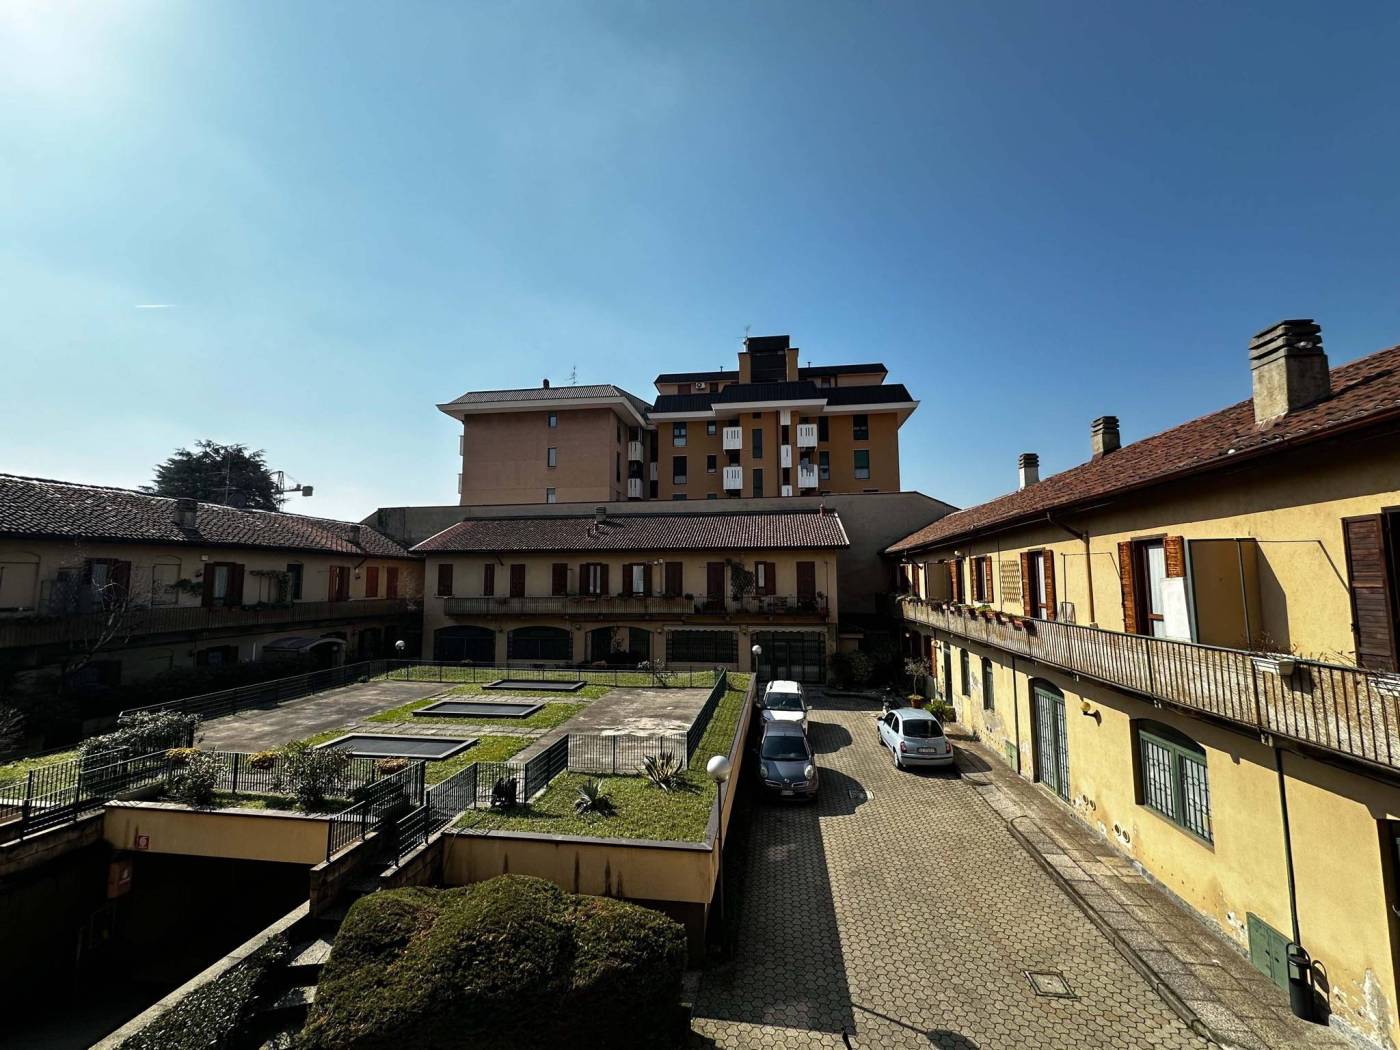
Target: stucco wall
245,834
504,456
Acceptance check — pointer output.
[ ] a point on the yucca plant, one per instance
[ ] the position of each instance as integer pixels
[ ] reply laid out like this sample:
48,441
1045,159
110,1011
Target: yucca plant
592,799
663,770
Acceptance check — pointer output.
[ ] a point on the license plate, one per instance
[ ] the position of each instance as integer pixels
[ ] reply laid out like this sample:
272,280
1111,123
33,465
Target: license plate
787,791
928,751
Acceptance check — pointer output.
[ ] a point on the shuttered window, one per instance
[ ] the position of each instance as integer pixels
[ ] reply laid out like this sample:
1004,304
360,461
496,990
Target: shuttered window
1173,778
488,579
372,581
982,579
391,582
675,579
444,580
1370,577
517,581
559,578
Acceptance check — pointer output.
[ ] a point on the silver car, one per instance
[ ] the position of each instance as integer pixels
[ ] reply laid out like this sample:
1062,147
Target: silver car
786,766
784,701
915,738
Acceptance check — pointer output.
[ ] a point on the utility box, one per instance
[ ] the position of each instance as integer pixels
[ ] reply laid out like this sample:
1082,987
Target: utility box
1268,951
1225,592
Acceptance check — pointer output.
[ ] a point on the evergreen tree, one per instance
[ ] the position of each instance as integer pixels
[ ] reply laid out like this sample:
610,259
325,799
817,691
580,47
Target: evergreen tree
215,473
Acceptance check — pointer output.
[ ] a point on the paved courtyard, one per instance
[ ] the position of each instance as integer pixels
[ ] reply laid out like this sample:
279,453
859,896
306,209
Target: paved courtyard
268,727
899,911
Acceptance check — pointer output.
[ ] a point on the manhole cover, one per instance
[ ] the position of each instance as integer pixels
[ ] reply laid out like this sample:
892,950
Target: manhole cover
1050,984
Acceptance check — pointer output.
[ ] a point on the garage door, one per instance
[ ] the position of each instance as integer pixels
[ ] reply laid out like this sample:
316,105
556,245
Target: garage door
796,655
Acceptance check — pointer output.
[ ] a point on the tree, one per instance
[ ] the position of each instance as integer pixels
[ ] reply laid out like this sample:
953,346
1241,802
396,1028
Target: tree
214,473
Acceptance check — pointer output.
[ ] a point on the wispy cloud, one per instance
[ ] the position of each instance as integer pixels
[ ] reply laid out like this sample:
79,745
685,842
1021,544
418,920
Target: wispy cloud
154,306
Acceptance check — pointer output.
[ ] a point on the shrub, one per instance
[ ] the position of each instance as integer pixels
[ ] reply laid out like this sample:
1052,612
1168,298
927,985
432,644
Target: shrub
144,732
387,767
314,772
513,962
178,756
592,799
663,770
197,777
264,759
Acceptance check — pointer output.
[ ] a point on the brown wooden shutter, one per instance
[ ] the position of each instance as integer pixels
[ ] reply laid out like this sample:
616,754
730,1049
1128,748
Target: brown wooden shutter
627,579
714,582
1047,566
1174,550
391,582
1372,612
806,581
488,579
517,581
206,596
646,578
603,578
772,572
1127,578
955,577
675,578
235,585
372,581
444,583
559,578
121,578
987,579
1027,598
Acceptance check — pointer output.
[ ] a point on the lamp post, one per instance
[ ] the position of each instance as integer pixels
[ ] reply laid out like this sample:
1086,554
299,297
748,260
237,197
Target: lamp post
757,651
718,769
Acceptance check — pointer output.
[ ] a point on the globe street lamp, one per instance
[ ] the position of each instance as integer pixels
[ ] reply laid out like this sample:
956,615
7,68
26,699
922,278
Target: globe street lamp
718,769
757,651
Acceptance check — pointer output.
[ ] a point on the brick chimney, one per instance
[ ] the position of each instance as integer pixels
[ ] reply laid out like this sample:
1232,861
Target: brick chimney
1027,469
546,385
356,534
186,512
1103,436
1290,369
600,515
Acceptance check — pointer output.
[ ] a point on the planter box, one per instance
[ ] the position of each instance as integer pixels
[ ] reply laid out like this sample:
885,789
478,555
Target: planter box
1278,664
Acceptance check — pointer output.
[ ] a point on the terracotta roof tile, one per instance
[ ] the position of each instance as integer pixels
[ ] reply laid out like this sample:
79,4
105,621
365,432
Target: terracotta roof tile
1363,392
38,507
652,532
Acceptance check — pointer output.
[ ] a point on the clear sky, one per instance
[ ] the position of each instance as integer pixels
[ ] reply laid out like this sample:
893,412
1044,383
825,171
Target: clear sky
1034,214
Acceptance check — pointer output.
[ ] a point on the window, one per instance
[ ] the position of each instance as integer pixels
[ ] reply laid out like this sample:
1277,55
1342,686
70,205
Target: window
712,427
1172,775
296,573
593,578
678,434
678,475
517,581
712,495
862,463
488,579
757,442
964,673
982,579
711,464
551,496
339,583
372,581
674,579
539,643
677,497
824,466
989,700
702,647
1038,583
223,583
637,578
163,577
823,428
553,419
1150,559
444,580
758,481
551,457
860,428
391,582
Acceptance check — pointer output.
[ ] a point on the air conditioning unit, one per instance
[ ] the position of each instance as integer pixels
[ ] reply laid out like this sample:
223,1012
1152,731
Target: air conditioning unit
701,386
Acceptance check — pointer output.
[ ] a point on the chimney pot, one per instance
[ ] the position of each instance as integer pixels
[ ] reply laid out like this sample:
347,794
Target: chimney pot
1103,436
1028,469
1289,369
600,515
546,384
186,512
356,531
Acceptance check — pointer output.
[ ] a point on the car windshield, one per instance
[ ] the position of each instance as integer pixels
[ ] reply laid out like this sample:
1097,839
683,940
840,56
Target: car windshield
784,702
922,727
784,747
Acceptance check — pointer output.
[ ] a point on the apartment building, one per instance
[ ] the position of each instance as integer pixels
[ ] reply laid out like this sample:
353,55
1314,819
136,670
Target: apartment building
771,427
1190,641
675,590
128,585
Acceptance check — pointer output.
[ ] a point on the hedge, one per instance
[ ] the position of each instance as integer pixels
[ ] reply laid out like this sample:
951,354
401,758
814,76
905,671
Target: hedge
509,964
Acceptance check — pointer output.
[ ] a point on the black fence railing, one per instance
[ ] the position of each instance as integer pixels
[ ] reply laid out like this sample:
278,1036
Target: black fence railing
544,767
441,803
270,693
702,720
620,754
61,793
1343,709
381,802
466,673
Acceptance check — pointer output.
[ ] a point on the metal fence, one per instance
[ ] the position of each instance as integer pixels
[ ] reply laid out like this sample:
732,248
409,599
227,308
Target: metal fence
601,754
1343,709
63,792
702,720
273,691
381,802
266,774
441,803
429,671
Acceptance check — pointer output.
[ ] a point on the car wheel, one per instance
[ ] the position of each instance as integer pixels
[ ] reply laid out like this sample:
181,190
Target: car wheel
894,753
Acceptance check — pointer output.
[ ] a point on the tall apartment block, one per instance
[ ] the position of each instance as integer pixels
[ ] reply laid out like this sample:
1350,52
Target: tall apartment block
771,427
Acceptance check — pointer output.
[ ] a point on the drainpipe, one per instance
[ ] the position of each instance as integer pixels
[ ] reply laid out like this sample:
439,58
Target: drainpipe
1299,965
1016,710
1088,562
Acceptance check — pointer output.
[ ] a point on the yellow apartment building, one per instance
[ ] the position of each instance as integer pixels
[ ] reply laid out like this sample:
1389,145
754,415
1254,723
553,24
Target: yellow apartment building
1190,642
675,590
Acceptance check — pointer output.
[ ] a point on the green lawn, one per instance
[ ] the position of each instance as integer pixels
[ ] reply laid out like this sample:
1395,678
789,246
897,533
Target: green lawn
551,715
472,675
486,749
20,767
640,810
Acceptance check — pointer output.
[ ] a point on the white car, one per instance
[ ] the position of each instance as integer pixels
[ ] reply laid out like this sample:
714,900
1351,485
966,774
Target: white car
915,738
783,701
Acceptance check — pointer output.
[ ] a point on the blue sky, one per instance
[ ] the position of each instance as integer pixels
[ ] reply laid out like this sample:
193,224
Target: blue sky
1034,214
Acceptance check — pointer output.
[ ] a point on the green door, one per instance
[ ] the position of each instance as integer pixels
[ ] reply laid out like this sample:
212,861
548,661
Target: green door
1051,752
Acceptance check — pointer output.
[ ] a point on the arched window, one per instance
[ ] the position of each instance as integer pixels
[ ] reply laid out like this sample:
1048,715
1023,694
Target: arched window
1172,777
464,644
539,643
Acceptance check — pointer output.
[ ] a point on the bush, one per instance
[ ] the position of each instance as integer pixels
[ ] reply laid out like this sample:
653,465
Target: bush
145,732
513,963
387,767
193,783
264,759
664,771
314,772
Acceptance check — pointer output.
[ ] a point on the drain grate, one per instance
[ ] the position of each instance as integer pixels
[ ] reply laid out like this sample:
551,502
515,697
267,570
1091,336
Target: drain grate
1050,984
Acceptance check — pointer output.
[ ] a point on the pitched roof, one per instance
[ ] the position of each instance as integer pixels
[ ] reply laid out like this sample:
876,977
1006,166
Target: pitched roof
884,394
743,393
637,532
39,507
1363,392
548,393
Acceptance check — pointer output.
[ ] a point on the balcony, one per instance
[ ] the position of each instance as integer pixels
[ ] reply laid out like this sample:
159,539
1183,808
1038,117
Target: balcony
787,490
585,606
178,619
634,451
653,471
733,439
1340,709
806,477
785,455
806,435
634,488
733,478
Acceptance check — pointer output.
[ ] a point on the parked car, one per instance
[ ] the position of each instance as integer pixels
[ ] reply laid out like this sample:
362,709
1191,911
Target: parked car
783,701
915,738
787,767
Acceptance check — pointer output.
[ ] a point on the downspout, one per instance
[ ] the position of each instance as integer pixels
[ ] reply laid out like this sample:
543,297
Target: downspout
1088,562
1016,710
1287,845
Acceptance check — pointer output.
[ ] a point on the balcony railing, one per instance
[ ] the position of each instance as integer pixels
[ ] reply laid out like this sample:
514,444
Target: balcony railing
1331,706
806,435
733,477
733,439
806,477
785,456
180,618
634,488
634,450
621,606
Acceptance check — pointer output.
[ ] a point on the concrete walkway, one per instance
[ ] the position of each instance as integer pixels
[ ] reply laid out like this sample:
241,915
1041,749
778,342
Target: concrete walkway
1203,976
628,711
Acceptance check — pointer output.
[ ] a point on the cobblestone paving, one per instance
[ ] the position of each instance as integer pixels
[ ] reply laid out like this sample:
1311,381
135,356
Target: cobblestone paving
899,912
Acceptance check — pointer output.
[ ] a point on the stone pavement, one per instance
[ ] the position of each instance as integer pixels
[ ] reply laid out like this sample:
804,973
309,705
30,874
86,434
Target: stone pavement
900,911
1201,974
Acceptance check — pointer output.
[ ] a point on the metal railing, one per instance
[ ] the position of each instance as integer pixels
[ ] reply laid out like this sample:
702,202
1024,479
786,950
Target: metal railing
1343,709
576,605
442,802
381,802
163,619
429,671
271,692
619,754
61,793
702,720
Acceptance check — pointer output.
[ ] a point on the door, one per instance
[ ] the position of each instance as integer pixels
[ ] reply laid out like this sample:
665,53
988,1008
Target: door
796,656
1051,753
714,584
517,581
1151,568
807,584
947,674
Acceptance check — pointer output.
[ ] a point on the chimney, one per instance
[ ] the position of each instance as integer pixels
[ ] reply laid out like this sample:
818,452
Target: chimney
1103,436
600,515
186,512
1290,369
546,384
355,534
1028,469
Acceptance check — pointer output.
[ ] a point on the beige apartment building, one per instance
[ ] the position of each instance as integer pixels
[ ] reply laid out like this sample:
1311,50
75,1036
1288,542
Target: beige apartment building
1190,641
770,428
674,590
126,585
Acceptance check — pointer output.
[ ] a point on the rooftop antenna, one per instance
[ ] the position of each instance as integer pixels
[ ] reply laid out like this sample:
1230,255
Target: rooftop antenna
573,375
282,487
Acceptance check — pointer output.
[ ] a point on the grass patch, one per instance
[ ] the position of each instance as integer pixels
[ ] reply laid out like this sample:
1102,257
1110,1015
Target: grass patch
478,675
278,803
486,749
551,715
20,767
640,811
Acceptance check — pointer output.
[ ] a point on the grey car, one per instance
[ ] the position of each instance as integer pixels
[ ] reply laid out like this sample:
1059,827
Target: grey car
786,766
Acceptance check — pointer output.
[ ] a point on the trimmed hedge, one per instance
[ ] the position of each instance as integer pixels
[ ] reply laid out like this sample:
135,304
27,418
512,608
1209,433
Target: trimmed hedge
509,964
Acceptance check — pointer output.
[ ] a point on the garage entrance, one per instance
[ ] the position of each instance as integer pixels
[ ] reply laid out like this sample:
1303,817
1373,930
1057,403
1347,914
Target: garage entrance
796,655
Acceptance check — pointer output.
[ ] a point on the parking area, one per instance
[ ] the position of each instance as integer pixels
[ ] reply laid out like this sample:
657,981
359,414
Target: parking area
898,911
